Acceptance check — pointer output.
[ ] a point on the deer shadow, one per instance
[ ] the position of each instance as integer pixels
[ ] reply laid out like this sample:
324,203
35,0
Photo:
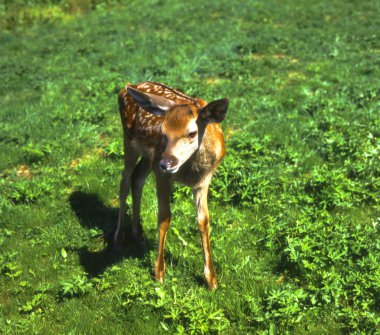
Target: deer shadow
92,213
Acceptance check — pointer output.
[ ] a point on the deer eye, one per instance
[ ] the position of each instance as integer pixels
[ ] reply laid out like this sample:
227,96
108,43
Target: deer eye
192,134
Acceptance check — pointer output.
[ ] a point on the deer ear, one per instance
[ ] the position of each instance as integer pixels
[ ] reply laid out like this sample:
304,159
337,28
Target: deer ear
152,103
215,111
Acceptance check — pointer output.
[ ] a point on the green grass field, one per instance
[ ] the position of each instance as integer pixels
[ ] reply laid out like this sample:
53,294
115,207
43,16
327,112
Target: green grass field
295,206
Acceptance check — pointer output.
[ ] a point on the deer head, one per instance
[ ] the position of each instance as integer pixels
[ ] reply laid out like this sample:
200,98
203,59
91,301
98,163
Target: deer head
183,125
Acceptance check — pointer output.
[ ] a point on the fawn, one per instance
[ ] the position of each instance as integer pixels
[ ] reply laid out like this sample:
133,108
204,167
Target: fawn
180,139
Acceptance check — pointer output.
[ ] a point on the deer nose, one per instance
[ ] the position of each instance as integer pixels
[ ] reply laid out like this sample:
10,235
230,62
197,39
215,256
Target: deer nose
163,166
168,163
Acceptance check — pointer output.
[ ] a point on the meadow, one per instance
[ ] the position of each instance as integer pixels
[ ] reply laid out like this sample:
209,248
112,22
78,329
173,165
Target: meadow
295,205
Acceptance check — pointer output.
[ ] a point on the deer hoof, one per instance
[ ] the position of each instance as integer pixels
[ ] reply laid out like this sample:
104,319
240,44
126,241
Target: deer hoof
213,286
159,272
159,277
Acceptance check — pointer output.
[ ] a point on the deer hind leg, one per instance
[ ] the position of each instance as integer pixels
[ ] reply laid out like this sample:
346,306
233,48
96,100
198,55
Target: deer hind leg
200,198
140,173
164,218
130,158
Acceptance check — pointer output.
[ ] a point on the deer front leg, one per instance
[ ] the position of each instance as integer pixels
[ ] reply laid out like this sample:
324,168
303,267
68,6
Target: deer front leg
140,173
164,218
200,198
130,158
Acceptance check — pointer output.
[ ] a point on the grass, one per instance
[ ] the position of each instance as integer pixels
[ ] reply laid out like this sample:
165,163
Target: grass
295,206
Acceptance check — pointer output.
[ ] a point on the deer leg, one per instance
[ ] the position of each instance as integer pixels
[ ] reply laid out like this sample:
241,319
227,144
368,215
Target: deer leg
140,173
130,158
200,198
164,218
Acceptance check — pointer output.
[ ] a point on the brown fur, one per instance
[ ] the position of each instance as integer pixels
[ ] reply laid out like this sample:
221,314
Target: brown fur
153,137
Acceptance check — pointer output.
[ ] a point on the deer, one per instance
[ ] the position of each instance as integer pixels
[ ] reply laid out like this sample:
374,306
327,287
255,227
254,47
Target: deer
180,139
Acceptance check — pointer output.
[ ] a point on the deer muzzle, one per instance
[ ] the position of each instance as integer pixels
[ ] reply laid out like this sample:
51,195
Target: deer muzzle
169,164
